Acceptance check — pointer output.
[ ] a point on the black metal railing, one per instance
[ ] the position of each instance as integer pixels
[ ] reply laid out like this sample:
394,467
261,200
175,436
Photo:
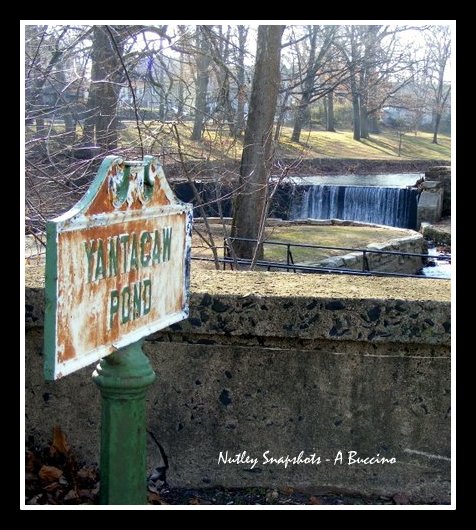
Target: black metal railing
291,265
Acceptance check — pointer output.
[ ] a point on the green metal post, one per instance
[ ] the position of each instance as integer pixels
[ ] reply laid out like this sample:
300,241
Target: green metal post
123,379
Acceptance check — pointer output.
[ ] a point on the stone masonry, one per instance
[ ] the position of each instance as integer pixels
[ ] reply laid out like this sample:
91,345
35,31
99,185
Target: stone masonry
277,364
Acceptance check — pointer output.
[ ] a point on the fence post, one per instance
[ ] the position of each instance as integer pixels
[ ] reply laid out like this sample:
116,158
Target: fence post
365,262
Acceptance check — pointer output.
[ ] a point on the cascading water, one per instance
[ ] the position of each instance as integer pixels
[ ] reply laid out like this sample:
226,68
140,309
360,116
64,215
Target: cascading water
389,199
381,205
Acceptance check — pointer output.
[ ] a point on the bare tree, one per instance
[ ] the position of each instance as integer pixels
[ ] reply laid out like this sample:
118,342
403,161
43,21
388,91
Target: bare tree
250,203
439,52
378,67
48,55
241,91
107,76
312,83
203,60
351,51
329,103
84,85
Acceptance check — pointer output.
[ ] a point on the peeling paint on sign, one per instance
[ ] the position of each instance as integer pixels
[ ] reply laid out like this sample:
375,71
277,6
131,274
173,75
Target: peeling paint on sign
117,265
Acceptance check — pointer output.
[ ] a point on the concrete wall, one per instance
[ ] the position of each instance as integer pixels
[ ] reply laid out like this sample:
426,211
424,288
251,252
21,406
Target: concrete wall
384,262
440,235
430,203
410,241
283,363
442,174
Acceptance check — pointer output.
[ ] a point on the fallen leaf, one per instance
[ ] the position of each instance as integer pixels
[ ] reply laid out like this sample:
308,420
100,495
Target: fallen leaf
71,495
53,486
31,478
271,496
314,500
50,499
59,441
49,473
154,498
400,498
87,476
88,494
31,462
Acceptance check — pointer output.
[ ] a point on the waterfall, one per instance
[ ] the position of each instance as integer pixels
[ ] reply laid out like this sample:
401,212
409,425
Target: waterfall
372,204
380,203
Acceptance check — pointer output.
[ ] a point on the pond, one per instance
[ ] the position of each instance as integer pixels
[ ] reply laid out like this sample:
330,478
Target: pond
381,180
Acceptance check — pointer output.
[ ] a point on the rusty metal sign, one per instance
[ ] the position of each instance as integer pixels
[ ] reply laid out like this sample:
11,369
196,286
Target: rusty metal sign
117,265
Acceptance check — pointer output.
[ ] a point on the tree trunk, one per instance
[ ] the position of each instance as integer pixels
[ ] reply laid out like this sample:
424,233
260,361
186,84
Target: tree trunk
302,116
240,77
353,83
356,116
250,202
35,108
436,128
63,107
281,114
229,112
40,125
106,75
69,126
443,41
162,96
439,114
302,113
203,62
373,124
324,112
330,124
181,87
364,121
299,122
224,110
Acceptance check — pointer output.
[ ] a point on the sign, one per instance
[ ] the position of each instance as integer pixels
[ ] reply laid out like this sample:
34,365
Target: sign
117,265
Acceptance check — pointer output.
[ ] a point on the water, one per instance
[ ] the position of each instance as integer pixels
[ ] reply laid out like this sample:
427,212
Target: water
441,269
381,199
392,206
382,179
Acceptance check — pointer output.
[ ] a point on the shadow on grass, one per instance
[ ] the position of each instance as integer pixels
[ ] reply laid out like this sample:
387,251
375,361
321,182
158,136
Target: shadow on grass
419,144
380,145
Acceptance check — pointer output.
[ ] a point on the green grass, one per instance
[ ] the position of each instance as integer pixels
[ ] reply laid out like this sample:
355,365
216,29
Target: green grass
218,145
326,235
384,146
334,236
160,138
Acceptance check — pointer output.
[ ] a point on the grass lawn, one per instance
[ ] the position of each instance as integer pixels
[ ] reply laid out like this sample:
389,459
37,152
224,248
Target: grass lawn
161,138
380,146
217,145
333,236
328,235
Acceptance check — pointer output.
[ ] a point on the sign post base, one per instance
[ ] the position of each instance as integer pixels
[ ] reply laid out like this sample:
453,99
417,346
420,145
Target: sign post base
123,379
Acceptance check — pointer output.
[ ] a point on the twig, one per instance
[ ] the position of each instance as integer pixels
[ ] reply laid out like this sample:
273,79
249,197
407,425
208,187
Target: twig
129,82
197,197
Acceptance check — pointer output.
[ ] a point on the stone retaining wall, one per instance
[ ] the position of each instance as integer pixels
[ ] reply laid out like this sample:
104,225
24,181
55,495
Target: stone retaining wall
283,363
410,241
442,174
383,262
